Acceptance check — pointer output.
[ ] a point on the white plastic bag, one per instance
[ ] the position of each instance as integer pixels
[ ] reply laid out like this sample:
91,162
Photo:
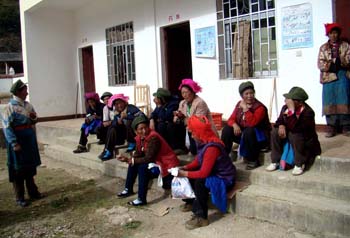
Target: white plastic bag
181,188
160,178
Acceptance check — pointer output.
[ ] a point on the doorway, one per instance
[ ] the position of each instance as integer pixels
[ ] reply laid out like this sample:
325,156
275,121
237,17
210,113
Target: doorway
342,17
177,58
88,69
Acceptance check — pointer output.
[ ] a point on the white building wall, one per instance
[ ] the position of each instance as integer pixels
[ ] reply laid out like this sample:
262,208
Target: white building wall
86,26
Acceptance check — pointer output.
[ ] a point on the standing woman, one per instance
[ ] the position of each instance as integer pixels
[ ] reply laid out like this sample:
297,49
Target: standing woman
334,64
191,105
18,119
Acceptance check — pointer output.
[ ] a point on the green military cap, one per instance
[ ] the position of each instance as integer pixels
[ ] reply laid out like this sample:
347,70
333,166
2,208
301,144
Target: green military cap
106,94
244,86
138,120
296,93
162,93
17,86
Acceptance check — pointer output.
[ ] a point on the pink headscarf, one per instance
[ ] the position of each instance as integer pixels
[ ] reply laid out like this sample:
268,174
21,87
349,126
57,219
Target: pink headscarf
120,96
93,96
192,84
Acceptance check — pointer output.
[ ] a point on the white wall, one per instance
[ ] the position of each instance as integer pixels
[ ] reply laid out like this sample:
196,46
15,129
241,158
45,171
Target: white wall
86,26
50,61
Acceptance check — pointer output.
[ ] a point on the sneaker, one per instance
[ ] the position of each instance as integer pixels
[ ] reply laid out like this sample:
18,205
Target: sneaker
131,147
271,167
187,207
297,170
80,149
107,156
196,222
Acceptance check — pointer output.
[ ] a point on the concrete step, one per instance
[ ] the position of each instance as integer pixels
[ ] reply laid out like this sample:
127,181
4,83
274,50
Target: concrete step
113,167
48,132
323,164
72,142
324,217
311,182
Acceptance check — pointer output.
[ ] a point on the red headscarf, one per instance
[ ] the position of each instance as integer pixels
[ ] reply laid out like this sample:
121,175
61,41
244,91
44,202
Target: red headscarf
201,128
330,26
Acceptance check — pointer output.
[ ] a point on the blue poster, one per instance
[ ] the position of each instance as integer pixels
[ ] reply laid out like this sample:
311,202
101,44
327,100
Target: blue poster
205,42
297,26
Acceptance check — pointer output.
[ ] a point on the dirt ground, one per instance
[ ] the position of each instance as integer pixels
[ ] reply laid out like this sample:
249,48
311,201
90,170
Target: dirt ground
82,203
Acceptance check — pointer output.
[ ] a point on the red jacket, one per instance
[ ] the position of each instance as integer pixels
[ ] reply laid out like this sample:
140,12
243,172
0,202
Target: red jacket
166,158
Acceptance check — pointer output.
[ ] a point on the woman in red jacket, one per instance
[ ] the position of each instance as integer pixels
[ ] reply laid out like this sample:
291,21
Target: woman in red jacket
211,170
150,148
248,126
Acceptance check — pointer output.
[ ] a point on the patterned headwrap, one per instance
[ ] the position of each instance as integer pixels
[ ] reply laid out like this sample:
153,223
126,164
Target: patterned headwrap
92,95
120,96
201,127
192,84
330,26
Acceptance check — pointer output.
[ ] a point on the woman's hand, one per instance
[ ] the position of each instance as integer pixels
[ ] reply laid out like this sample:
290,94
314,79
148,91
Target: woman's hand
290,104
17,147
236,129
182,173
151,124
107,123
123,158
282,131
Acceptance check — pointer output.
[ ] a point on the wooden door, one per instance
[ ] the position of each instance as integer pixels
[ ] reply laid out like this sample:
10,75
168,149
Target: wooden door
342,16
88,69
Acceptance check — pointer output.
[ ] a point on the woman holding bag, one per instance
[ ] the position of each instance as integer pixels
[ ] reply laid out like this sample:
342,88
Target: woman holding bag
211,171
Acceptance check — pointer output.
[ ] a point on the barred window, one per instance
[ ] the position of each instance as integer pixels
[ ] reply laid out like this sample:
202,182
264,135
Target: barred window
121,54
247,38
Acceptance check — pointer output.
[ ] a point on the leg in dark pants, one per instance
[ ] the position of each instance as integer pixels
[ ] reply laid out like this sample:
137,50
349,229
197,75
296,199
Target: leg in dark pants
252,147
200,204
32,189
301,154
145,176
18,187
116,135
276,146
83,138
131,177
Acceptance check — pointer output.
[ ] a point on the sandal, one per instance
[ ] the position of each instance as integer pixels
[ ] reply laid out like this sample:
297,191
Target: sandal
125,193
137,202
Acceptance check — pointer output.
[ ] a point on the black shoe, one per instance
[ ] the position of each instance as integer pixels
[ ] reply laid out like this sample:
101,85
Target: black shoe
36,196
22,203
101,142
252,165
125,193
100,156
80,149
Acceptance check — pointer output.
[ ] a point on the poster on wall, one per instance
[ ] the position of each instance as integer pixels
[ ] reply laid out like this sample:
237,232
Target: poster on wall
297,26
205,42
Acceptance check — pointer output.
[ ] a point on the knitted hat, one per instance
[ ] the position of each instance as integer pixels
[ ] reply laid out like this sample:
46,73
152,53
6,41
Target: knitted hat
244,86
106,94
138,120
93,96
17,86
192,84
115,97
296,93
162,93
331,26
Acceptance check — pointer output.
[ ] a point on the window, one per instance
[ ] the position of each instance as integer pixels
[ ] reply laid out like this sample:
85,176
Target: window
247,38
120,54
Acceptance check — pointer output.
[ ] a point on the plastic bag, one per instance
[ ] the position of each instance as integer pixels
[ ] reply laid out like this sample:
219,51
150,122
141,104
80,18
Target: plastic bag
181,188
156,169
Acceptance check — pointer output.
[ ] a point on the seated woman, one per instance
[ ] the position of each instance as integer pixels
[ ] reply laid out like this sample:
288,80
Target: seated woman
191,105
120,130
211,171
93,120
162,121
108,115
150,148
296,125
248,126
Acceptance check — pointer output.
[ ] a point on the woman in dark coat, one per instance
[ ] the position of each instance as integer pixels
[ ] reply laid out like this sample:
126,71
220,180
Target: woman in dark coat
296,125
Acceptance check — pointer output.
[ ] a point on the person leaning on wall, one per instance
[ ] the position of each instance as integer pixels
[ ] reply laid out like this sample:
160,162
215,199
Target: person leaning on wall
18,120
